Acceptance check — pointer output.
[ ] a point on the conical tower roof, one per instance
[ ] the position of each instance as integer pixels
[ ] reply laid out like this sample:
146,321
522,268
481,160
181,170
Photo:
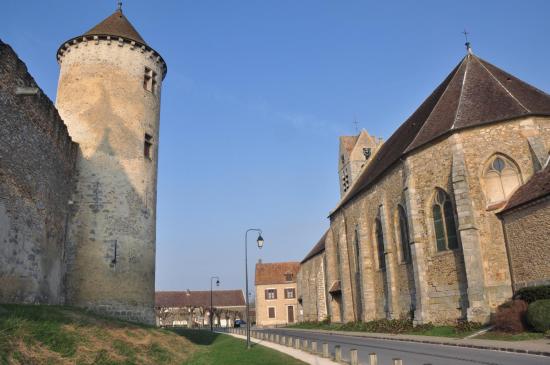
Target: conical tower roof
117,25
473,94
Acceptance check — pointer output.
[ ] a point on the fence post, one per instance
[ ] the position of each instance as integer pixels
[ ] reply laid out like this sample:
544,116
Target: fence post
337,353
397,361
283,340
289,342
325,350
314,347
353,357
305,344
277,338
297,343
373,359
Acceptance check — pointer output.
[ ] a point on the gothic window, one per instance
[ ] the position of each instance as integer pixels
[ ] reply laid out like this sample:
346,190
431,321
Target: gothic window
147,146
149,80
501,178
444,222
404,234
380,244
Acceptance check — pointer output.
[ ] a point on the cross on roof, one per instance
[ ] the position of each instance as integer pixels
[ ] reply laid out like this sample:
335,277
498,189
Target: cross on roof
119,5
467,44
356,123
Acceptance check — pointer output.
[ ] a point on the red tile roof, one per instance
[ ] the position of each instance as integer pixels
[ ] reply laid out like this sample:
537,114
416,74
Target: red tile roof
317,249
117,25
537,187
274,273
473,94
221,298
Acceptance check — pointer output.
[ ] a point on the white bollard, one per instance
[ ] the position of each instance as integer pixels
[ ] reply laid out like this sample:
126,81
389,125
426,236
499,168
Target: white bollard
337,353
397,362
314,347
353,357
325,350
373,359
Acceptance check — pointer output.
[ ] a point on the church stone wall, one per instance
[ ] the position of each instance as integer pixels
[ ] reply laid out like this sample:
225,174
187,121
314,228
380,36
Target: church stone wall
311,289
37,160
529,262
111,251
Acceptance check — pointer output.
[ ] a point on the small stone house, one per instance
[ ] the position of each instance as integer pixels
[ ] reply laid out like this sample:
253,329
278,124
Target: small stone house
526,220
276,300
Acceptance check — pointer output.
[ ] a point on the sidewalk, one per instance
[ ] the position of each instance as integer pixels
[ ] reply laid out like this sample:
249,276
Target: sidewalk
535,347
297,354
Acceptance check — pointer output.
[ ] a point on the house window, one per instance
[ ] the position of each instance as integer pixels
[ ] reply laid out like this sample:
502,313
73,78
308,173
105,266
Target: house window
404,234
147,146
149,80
501,178
289,276
290,293
444,222
270,294
271,312
380,243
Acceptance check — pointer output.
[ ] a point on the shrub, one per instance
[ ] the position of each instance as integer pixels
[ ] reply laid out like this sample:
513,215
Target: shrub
533,293
538,315
511,316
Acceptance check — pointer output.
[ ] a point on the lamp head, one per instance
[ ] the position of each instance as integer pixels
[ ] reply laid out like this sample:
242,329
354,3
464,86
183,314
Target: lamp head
218,282
260,241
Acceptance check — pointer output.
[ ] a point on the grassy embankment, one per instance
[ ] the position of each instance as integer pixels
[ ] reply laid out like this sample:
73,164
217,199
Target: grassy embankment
61,335
406,327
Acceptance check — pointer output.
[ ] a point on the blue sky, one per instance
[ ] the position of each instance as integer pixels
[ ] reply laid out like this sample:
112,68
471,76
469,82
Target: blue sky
258,92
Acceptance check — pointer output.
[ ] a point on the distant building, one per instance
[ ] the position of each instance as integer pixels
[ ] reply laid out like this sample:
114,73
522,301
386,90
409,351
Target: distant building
276,300
192,308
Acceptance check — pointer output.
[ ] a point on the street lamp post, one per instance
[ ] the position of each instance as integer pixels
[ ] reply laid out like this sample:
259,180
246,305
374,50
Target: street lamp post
211,306
260,242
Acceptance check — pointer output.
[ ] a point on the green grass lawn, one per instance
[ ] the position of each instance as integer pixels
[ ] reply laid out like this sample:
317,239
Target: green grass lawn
224,349
55,335
503,336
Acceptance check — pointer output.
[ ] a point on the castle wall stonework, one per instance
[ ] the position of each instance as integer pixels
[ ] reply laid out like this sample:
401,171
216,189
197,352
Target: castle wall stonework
108,111
37,167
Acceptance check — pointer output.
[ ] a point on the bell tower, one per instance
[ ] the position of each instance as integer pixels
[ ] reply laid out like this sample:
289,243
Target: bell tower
109,95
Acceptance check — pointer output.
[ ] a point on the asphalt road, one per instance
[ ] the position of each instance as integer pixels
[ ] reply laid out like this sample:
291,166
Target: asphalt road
413,353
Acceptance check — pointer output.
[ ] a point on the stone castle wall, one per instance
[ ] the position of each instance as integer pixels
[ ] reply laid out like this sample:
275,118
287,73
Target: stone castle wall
108,111
37,167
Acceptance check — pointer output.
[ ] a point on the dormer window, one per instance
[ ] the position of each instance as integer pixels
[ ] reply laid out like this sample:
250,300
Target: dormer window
149,80
289,276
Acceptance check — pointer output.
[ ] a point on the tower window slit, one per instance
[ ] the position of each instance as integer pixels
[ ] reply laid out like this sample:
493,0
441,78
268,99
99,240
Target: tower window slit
147,146
150,80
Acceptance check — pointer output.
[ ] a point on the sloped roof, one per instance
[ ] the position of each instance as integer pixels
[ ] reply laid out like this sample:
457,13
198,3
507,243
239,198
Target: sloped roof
274,273
220,298
317,249
537,187
117,25
348,142
473,94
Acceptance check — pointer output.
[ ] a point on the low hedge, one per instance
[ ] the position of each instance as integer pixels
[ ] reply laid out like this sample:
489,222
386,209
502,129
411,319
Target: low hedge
533,293
538,315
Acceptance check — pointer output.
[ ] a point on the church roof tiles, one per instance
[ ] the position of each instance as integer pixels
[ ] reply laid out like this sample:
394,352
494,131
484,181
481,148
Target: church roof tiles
473,94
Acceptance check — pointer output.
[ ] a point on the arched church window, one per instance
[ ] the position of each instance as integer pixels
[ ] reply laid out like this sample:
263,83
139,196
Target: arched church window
444,221
404,234
380,243
501,178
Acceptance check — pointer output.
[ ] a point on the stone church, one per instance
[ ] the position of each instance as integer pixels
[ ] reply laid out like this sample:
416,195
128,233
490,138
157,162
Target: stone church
78,179
431,223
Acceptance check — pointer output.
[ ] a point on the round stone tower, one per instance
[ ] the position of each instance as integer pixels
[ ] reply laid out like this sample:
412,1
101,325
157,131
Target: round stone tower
109,97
